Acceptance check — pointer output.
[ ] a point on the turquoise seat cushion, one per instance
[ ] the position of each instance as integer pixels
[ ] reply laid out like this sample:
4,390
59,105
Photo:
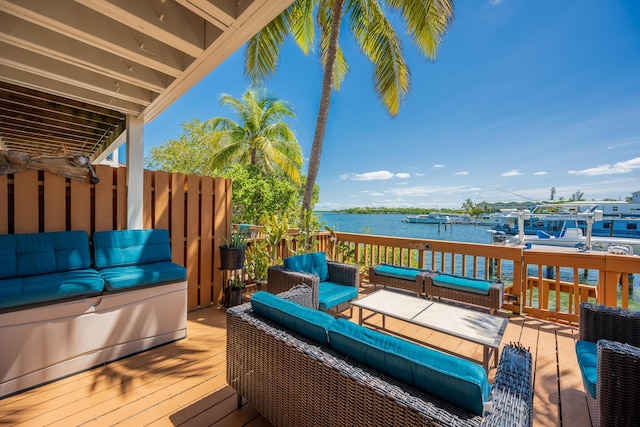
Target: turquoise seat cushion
461,283
406,273
587,353
50,287
312,263
23,255
308,322
331,294
122,248
119,278
459,381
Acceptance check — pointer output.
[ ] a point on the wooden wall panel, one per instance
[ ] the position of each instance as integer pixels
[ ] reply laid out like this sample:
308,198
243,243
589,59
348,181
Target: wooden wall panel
81,206
121,198
206,227
26,202
220,228
177,223
4,204
161,200
193,223
55,207
104,199
147,197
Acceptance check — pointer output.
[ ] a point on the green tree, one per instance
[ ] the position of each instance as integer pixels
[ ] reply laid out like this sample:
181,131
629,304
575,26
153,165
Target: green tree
577,196
261,137
188,154
468,206
426,22
553,193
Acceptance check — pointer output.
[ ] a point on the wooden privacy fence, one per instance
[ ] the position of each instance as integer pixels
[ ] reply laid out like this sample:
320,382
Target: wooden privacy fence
195,209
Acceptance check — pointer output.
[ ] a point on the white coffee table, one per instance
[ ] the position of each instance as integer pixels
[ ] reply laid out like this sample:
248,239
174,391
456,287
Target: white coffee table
480,328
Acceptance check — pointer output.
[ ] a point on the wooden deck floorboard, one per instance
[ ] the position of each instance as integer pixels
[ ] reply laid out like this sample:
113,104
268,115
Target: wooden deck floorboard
184,383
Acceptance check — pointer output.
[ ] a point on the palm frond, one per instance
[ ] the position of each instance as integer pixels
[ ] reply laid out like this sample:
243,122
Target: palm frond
262,52
300,23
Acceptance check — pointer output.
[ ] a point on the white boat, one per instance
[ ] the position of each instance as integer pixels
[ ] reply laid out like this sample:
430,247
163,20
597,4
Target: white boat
431,218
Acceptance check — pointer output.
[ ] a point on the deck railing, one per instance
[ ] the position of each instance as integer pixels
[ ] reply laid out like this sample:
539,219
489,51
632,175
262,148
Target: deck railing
533,278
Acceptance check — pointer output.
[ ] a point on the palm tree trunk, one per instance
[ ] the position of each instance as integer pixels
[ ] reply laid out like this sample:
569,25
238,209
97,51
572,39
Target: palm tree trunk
323,112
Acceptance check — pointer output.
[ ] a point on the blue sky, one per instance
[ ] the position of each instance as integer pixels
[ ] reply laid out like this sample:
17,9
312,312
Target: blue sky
523,96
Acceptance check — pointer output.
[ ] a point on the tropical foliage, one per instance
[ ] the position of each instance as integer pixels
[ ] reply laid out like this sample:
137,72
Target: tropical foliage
261,137
188,154
426,21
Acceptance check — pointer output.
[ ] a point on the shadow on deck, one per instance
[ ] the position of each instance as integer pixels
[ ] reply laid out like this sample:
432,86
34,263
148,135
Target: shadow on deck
184,383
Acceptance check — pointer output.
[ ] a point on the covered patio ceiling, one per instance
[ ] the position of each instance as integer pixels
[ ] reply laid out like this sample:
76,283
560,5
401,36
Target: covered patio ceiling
71,71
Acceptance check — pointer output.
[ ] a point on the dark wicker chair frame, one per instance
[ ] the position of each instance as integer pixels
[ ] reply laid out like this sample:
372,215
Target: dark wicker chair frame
416,286
279,280
293,381
617,334
493,301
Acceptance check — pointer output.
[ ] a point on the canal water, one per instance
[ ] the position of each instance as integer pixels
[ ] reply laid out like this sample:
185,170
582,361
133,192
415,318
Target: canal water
392,225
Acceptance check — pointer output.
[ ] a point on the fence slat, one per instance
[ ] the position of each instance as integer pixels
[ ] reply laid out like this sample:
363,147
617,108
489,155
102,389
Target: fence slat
206,210
193,223
104,199
80,206
4,204
161,200
54,190
26,202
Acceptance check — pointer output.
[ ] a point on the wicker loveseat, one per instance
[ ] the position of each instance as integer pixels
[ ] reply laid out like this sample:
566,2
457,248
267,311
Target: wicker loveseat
295,381
609,358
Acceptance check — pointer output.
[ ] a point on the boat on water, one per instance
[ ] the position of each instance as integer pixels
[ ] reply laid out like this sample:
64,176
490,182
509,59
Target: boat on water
431,218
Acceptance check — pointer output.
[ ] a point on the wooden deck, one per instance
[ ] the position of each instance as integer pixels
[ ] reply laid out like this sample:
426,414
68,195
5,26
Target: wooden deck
184,383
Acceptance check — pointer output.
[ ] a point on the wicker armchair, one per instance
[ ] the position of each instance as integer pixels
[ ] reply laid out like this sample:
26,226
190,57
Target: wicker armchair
617,334
279,279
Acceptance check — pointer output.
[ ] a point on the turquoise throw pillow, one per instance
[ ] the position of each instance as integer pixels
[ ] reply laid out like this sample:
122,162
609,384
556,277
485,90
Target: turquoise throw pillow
312,263
587,353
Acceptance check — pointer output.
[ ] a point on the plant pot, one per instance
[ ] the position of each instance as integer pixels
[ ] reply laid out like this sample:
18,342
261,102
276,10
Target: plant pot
233,297
232,258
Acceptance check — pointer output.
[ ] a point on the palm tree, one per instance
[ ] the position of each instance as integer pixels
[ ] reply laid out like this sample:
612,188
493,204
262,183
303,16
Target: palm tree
261,139
426,21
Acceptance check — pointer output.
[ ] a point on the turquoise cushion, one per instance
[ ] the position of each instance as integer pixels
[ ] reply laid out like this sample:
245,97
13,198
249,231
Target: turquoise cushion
406,273
312,263
121,248
33,254
308,322
52,287
331,294
460,283
587,353
132,276
461,382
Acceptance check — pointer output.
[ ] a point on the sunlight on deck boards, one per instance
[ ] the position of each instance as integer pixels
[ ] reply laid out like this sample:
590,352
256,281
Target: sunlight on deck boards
184,383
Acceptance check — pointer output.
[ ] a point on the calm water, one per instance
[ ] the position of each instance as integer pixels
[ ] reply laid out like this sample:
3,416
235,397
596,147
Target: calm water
392,225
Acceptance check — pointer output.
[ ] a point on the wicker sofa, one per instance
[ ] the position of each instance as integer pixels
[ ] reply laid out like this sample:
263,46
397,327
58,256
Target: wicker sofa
608,353
294,381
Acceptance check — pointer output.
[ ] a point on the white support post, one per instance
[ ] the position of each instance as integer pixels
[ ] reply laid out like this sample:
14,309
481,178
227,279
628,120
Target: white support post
135,173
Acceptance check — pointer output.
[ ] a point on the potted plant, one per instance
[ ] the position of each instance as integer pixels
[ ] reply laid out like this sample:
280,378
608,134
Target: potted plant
233,251
234,289
258,261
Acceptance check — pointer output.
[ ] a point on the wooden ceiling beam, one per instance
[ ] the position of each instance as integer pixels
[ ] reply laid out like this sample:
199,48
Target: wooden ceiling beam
90,27
160,19
31,37
221,14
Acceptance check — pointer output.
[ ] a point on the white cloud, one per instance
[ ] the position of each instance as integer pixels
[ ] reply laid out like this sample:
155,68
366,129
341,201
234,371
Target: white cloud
372,176
418,174
540,173
462,173
376,194
344,177
495,2
438,166
403,175
513,172
616,168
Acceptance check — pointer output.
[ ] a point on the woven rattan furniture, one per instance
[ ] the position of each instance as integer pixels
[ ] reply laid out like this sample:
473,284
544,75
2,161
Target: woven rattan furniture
416,285
279,280
616,332
493,301
293,381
